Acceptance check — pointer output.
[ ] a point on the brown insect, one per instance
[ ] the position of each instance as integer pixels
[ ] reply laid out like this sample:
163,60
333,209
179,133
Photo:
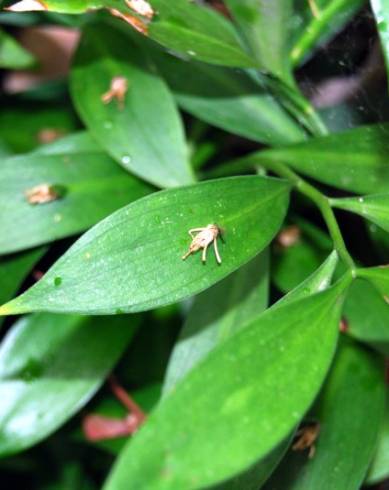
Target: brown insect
117,90
41,194
202,238
306,439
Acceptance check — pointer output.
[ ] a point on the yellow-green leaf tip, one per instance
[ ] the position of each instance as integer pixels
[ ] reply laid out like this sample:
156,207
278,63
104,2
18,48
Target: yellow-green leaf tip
6,309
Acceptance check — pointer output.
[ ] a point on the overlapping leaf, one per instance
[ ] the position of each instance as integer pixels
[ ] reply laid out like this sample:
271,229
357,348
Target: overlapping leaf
354,160
374,207
217,314
367,315
92,187
50,366
255,387
144,131
131,261
379,277
265,26
12,55
228,99
344,446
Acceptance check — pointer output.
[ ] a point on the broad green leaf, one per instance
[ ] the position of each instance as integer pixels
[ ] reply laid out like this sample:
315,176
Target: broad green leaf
93,186
145,134
228,99
381,13
22,128
217,314
50,366
12,55
131,261
14,269
320,23
354,160
253,478
199,32
379,468
367,315
374,207
354,391
265,26
379,277
277,363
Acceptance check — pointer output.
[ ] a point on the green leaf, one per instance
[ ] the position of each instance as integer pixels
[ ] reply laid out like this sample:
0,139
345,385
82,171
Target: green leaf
14,269
228,99
353,392
379,277
354,160
92,185
217,314
50,366
379,468
265,26
132,260
374,207
199,32
146,134
367,315
12,55
381,13
277,363
186,27
322,24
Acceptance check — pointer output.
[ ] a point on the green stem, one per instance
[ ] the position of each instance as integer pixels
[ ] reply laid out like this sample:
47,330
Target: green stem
322,203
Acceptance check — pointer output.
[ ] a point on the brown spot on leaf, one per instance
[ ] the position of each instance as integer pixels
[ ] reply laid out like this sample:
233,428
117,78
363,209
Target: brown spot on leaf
307,436
136,23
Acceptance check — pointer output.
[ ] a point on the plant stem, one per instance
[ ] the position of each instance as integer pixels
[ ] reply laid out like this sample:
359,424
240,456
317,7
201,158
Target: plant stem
322,203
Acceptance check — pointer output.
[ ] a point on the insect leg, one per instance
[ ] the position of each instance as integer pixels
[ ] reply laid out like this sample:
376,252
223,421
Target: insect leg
204,256
186,255
218,258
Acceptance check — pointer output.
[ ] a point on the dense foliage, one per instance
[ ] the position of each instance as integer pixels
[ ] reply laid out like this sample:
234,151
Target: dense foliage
236,151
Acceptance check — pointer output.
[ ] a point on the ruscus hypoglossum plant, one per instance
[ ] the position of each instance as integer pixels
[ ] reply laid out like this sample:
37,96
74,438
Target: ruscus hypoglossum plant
194,228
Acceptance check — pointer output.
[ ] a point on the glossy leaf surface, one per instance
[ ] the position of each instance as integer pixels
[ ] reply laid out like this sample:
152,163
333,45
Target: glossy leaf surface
137,250
217,314
143,132
92,187
277,363
50,366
